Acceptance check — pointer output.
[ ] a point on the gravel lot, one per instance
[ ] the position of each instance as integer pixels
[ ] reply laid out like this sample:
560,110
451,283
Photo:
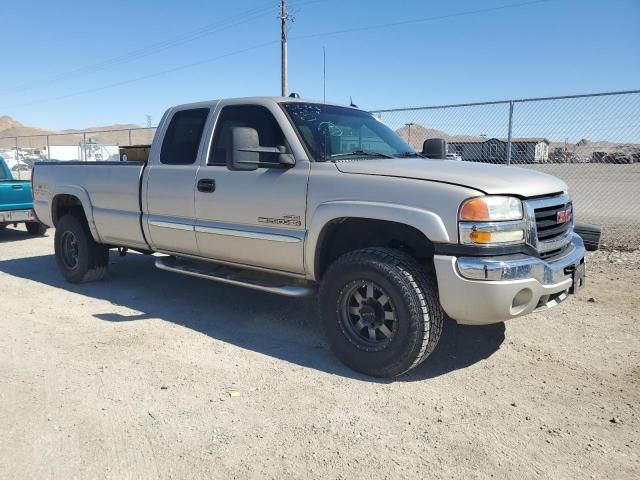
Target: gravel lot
155,375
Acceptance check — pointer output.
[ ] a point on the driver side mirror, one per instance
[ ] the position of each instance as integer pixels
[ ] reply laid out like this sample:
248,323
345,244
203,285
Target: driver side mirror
434,148
244,151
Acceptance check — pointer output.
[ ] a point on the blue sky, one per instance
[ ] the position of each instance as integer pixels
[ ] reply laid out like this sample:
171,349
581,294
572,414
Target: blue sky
551,47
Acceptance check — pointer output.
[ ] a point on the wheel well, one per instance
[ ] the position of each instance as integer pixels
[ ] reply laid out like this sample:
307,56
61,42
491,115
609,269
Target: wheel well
347,234
64,204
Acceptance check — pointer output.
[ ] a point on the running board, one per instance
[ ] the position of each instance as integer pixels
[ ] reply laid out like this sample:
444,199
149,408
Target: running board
235,276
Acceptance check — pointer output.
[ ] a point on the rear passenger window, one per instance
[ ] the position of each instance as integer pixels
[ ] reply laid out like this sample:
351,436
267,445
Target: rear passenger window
182,138
269,132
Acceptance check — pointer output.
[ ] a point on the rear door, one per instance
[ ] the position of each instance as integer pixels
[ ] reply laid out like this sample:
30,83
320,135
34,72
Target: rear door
170,182
252,217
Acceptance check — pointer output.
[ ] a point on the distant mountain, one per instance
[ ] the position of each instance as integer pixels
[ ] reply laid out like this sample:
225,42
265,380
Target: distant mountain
9,127
7,122
415,134
117,126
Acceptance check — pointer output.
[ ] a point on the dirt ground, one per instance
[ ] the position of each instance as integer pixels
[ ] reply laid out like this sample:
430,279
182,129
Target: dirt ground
150,374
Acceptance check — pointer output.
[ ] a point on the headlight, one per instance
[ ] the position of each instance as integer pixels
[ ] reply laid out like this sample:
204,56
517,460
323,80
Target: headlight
491,209
492,220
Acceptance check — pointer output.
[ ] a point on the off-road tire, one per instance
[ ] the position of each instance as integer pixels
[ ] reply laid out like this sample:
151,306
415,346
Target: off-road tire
590,234
414,294
36,228
92,258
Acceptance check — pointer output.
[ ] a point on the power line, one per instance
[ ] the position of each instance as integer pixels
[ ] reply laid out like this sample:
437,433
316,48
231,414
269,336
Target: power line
419,20
146,77
152,49
128,57
265,44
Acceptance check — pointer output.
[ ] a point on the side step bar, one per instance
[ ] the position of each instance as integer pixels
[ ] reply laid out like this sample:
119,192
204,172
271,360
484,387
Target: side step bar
234,276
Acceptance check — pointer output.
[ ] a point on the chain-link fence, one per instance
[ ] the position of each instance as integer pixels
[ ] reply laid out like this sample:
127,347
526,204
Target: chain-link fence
22,152
592,142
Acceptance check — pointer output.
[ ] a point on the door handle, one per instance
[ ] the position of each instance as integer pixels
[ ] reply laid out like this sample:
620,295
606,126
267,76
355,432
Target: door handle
16,187
206,185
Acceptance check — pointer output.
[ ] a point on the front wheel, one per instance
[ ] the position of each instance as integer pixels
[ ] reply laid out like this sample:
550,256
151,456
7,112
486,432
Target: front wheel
36,228
79,257
380,311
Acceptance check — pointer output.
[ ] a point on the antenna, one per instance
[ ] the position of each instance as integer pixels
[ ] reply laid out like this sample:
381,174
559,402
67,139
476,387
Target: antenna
324,74
351,104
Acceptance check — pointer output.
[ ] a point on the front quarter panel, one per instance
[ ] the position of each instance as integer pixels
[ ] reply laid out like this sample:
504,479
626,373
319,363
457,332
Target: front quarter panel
430,207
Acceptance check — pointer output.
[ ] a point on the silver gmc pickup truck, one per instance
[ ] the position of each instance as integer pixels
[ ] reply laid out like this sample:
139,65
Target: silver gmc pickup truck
291,196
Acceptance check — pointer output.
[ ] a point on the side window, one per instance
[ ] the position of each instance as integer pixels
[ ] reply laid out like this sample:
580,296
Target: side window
182,138
269,132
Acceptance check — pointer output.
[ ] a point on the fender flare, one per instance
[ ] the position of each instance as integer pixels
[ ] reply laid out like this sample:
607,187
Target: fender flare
425,221
82,195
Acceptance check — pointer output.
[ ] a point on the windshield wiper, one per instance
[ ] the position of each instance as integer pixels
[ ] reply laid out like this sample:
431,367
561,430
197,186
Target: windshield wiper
361,153
408,154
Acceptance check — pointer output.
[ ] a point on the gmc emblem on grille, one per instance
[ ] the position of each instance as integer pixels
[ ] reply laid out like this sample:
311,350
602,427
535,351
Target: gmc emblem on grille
563,216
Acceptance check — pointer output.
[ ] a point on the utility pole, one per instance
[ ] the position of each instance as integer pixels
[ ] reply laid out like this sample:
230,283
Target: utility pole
409,125
283,45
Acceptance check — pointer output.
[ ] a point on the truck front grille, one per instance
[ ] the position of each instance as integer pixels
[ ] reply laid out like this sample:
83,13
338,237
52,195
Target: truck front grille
550,236
547,222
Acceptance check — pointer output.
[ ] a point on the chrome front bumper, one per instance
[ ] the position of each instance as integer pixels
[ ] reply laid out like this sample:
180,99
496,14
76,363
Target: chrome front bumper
487,290
17,216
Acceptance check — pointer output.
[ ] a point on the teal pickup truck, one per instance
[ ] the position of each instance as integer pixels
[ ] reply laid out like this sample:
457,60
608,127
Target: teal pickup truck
16,202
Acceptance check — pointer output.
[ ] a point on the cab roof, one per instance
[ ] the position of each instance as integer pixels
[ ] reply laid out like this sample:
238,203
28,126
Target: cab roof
256,100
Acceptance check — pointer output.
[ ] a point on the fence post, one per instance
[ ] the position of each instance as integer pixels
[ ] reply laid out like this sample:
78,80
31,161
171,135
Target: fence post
48,149
509,135
84,146
18,160
129,137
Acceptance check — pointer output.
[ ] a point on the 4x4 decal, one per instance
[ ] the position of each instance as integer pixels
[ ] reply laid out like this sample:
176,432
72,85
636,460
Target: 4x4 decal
293,220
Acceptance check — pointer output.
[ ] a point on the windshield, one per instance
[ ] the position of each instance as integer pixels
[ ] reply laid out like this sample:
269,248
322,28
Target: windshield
333,133
3,173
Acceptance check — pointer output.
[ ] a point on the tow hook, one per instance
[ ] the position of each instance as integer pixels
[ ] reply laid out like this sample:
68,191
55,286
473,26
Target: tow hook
122,251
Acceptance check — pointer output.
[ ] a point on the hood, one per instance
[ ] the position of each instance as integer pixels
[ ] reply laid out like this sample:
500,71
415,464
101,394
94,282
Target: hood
490,179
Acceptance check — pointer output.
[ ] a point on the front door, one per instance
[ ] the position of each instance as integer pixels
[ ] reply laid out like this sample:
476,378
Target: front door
253,217
14,195
170,183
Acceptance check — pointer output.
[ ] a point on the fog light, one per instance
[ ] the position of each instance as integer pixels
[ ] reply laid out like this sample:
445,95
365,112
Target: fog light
483,236
521,301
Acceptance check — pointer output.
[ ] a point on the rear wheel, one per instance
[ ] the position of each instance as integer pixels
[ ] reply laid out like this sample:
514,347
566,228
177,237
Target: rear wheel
36,228
380,311
79,257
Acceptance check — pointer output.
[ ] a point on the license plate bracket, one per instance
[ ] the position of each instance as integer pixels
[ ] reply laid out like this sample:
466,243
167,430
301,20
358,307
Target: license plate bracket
579,278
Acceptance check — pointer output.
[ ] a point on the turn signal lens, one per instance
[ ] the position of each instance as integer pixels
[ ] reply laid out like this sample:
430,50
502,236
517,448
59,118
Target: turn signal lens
484,237
478,236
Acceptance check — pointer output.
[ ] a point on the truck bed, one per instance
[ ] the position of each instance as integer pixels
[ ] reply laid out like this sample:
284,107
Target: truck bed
111,191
